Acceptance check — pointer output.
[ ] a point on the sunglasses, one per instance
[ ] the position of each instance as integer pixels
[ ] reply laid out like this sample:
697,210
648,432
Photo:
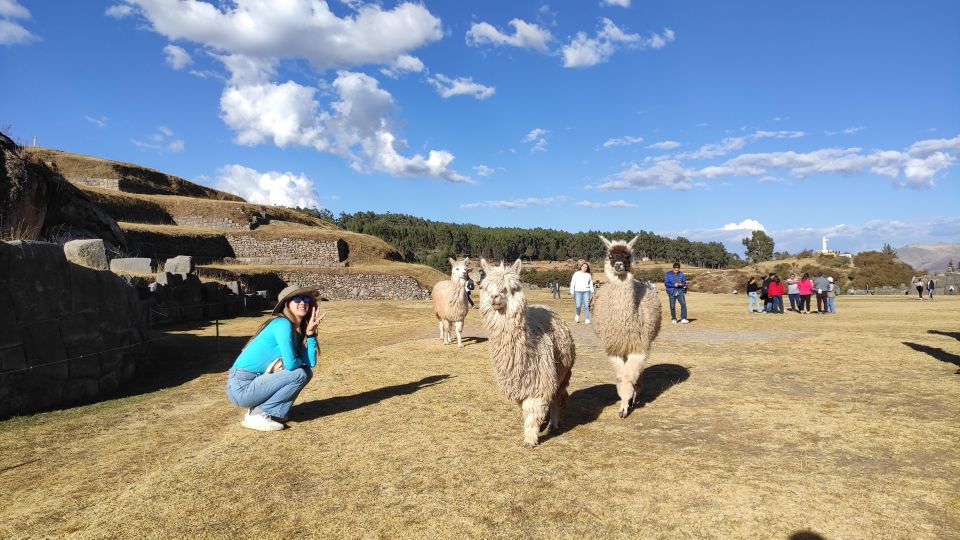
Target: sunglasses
297,299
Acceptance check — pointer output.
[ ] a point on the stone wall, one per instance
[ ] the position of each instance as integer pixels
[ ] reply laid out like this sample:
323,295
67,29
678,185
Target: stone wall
360,286
159,246
113,184
288,251
68,334
216,223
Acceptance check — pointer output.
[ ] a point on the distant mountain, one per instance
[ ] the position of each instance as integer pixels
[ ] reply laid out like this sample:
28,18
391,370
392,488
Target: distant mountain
930,257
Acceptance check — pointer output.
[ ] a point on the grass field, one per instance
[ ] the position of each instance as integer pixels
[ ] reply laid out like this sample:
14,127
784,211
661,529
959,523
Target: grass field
754,426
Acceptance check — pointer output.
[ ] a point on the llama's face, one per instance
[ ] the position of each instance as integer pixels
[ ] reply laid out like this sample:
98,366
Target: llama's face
459,268
619,258
501,288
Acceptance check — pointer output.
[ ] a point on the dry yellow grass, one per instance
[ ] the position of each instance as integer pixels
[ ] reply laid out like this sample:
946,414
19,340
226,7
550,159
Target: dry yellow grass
754,427
425,275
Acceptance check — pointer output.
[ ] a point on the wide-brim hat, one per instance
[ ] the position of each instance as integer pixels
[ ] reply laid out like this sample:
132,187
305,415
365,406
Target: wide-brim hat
830,279
294,290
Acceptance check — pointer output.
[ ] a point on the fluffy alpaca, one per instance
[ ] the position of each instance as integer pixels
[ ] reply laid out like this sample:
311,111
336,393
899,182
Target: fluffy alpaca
626,315
450,301
531,349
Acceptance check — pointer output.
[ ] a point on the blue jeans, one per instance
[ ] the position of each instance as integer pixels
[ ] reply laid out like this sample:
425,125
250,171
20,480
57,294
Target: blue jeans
795,301
582,299
831,307
753,298
777,303
677,296
272,393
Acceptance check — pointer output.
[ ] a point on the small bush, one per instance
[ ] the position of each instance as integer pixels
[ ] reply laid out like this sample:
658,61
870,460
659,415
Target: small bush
833,262
651,274
542,278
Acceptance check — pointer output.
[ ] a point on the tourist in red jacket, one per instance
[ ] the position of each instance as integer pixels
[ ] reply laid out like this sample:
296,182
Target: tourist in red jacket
775,291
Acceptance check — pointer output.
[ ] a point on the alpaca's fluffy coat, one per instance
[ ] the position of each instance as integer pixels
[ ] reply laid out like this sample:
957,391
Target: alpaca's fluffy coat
626,316
450,301
531,349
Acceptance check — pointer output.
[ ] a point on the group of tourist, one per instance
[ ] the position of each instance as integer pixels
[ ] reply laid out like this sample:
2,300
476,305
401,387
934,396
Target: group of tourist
766,295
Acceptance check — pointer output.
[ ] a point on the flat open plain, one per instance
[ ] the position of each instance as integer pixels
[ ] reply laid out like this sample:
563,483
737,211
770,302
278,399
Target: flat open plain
754,426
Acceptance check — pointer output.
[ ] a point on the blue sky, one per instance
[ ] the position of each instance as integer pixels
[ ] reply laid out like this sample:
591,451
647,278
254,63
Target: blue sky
704,119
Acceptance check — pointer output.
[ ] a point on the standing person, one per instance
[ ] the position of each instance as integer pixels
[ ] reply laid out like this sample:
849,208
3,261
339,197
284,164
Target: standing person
930,286
276,363
676,284
793,292
776,294
822,286
555,288
834,291
753,296
581,285
918,283
805,288
764,287
468,290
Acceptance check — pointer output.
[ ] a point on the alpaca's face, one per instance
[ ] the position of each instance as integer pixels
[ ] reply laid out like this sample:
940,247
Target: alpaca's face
459,268
500,289
619,259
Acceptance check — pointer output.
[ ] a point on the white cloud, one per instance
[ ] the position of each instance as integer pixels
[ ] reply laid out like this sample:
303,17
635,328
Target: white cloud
525,35
177,57
515,203
99,122
119,11
252,37
729,144
276,188
162,140
621,3
461,86
745,225
483,170
296,29
665,145
620,203
12,33
538,136
666,173
622,141
585,51
176,146
402,65
165,131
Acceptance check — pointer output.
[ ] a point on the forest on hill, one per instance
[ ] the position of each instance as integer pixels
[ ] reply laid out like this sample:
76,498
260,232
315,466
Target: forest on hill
431,242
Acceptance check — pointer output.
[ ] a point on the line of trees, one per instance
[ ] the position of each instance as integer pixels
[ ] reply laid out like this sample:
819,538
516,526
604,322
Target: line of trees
431,242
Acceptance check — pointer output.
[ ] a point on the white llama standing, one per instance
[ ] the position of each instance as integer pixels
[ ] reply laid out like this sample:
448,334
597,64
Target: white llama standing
531,349
450,301
626,317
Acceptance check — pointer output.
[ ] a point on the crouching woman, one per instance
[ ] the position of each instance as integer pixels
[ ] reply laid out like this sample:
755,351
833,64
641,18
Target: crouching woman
276,363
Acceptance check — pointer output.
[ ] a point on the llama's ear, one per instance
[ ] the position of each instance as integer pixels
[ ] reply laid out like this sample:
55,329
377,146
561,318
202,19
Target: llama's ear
484,265
633,242
466,261
606,243
452,261
515,267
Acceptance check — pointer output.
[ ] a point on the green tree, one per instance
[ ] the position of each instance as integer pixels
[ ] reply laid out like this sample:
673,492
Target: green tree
888,250
759,247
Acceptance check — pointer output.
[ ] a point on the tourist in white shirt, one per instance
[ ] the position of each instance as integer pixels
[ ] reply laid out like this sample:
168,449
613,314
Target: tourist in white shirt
581,285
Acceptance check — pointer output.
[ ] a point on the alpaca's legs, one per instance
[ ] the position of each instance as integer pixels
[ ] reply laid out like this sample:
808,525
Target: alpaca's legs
443,336
534,413
458,327
559,403
628,372
445,331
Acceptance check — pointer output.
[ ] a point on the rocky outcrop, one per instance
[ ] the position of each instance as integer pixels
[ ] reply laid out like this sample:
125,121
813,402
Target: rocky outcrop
37,203
87,253
68,334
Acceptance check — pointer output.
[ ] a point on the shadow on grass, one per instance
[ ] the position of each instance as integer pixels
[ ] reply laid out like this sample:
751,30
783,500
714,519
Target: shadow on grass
805,535
318,408
475,340
935,352
954,335
587,404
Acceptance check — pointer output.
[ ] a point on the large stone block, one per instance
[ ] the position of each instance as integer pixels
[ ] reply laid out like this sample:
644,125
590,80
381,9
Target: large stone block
181,264
84,290
39,284
12,358
85,366
80,390
136,265
44,351
169,278
88,253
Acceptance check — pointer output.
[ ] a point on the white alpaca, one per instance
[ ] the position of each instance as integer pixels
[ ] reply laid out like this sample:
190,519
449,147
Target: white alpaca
626,315
531,349
450,301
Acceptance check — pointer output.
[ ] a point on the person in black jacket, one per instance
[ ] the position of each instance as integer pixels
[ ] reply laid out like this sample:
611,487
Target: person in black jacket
753,296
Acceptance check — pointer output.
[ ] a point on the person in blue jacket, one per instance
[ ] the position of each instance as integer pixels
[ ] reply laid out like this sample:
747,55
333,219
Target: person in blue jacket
277,362
676,284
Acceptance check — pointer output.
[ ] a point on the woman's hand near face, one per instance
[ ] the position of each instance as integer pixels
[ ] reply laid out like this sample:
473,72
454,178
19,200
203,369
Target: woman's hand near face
315,318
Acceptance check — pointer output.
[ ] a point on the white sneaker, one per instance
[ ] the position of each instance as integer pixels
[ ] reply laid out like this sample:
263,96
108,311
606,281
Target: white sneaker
587,321
260,421
684,321
674,321
576,318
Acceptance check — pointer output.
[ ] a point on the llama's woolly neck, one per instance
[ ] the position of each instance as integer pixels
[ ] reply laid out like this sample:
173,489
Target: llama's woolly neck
508,337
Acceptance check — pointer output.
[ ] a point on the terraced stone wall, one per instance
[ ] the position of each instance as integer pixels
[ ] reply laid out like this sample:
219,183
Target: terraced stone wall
288,251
